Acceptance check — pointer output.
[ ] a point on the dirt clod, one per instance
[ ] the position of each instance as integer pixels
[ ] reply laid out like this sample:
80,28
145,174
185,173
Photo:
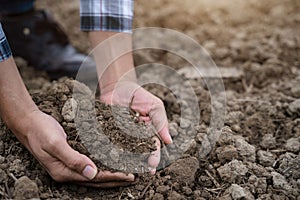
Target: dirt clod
26,189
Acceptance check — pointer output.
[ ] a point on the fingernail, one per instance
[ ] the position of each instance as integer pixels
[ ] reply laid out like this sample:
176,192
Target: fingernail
170,139
131,177
152,171
89,172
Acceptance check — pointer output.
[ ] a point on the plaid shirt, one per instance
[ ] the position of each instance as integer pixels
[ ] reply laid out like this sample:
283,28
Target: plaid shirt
95,15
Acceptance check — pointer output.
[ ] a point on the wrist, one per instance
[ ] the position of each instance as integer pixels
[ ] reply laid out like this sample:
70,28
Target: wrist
18,122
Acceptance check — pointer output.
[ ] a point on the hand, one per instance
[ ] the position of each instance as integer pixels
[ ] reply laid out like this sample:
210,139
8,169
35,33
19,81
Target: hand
151,110
46,140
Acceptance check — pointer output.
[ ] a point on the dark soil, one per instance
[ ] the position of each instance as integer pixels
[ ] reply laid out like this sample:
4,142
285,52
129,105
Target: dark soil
257,155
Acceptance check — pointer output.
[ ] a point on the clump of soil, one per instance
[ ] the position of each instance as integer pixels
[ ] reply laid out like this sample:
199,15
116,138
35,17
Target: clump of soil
112,136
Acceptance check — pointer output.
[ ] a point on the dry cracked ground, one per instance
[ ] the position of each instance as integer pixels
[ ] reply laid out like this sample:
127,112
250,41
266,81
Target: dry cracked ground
257,153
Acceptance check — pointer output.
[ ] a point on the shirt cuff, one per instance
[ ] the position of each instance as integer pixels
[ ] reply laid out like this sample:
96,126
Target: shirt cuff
5,51
106,15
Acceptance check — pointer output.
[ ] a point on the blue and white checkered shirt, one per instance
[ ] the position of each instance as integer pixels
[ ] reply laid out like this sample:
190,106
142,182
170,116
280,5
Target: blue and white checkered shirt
95,15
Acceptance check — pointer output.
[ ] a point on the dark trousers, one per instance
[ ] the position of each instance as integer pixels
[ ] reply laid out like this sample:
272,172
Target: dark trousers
15,6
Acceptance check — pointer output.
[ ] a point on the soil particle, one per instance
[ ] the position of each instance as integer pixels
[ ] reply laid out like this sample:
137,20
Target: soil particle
226,153
268,141
237,192
176,196
3,176
233,171
294,108
257,185
184,170
288,165
293,145
245,150
279,182
26,189
162,189
158,196
265,158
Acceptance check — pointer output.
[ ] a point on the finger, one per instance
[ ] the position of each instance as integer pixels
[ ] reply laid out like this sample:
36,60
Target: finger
160,121
165,134
107,176
60,173
73,159
145,119
105,185
154,158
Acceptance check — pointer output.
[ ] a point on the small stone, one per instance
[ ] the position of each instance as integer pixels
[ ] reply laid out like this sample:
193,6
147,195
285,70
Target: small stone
233,171
237,192
293,145
245,150
294,108
69,110
25,189
268,141
265,158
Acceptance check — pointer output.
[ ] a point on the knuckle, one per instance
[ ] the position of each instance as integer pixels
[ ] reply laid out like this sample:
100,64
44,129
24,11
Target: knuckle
57,177
52,143
74,163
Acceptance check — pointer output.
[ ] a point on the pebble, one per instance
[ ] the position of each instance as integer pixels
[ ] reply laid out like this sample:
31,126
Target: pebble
237,192
25,189
69,109
293,145
265,158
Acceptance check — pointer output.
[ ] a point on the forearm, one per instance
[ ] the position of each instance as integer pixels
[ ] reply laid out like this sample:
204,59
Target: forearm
15,101
113,58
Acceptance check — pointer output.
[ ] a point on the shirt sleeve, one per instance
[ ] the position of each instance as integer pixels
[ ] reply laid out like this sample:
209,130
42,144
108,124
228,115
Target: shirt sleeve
106,15
5,51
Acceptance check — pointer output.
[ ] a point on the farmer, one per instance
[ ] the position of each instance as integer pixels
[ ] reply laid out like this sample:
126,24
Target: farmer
35,36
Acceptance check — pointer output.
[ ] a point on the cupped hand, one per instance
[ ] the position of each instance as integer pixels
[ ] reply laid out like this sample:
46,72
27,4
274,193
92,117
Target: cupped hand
46,140
150,108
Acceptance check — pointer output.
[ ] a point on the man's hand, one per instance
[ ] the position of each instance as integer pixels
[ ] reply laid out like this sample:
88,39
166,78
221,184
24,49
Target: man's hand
46,140
150,108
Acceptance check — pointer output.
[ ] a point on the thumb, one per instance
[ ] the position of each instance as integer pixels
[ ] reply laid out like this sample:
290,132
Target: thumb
74,160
